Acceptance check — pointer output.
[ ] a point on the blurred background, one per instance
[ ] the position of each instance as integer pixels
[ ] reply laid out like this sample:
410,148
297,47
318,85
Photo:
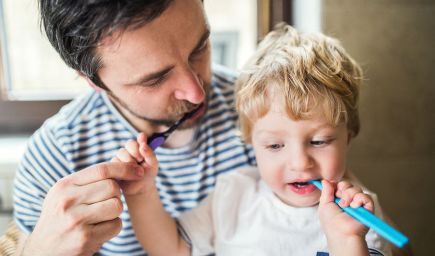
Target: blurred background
393,40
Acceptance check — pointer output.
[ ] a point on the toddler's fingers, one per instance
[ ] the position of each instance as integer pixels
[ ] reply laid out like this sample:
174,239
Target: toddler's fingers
327,194
115,160
124,156
142,138
347,195
143,145
341,186
363,200
150,160
132,148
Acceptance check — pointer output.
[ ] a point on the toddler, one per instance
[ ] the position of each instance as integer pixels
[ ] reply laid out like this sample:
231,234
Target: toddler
297,102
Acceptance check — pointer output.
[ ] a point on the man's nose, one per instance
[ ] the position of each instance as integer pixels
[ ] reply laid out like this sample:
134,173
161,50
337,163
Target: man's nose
299,160
190,87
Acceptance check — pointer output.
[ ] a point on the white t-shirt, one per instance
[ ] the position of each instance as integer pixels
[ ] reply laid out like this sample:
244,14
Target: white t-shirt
242,216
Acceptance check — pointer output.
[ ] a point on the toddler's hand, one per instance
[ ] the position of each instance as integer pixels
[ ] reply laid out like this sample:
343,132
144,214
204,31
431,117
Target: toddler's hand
137,151
336,223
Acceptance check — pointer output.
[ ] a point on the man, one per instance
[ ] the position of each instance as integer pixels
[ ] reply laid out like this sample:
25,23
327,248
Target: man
149,63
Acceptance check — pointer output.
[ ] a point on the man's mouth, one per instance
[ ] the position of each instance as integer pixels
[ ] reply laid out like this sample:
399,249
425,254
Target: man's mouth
197,109
197,112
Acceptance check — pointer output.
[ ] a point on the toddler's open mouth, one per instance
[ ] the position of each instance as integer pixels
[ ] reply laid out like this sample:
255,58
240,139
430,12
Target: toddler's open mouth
299,184
302,187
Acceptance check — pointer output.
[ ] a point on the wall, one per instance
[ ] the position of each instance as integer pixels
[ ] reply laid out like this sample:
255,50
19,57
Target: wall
25,117
395,153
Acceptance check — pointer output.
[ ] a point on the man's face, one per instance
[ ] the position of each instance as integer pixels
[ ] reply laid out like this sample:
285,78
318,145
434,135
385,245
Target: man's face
161,70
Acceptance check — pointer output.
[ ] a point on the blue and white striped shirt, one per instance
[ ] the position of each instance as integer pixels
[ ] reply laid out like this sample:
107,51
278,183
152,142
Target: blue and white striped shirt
90,130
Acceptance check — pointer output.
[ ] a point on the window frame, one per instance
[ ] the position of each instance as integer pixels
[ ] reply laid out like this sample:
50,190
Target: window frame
271,12
20,116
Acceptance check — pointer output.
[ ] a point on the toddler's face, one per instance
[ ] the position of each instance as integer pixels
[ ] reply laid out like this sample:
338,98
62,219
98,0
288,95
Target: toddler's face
289,153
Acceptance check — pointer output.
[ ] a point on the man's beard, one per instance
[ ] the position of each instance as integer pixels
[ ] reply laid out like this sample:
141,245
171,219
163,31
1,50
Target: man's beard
177,111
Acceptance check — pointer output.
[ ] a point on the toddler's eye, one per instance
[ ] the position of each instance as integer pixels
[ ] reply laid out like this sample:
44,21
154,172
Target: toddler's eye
319,143
275,146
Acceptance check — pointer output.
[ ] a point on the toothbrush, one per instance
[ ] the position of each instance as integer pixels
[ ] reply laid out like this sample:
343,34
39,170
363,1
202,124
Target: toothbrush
370,220
157,139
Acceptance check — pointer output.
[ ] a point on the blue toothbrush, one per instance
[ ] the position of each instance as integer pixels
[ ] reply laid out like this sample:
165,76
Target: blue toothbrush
370,220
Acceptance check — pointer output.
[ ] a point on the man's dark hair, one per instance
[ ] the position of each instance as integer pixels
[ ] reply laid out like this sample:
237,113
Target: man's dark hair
75,27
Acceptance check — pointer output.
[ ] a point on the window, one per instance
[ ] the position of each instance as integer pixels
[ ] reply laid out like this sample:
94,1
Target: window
35,83
32,68
233,30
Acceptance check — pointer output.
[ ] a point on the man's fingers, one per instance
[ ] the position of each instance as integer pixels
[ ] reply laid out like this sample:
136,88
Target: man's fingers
106,230
99,212
98,191
106,170
126,157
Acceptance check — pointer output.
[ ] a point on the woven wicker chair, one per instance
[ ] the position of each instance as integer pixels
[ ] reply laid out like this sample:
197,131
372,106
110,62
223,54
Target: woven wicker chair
9,241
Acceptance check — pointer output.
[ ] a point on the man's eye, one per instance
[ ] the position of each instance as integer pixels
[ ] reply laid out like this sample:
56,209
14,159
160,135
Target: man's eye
201,48
155,82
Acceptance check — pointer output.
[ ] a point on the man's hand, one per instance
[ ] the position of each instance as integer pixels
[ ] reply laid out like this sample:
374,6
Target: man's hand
81,211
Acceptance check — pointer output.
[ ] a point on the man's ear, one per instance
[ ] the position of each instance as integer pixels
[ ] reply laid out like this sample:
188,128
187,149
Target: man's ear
90,83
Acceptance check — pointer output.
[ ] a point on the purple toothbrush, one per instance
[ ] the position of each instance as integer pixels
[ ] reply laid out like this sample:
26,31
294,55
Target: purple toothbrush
158,138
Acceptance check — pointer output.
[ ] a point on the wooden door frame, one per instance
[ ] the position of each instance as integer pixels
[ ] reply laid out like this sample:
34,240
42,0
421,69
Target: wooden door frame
270,12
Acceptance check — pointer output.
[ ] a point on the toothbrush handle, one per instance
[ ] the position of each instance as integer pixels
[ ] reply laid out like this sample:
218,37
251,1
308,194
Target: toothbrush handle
156,142
370,220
